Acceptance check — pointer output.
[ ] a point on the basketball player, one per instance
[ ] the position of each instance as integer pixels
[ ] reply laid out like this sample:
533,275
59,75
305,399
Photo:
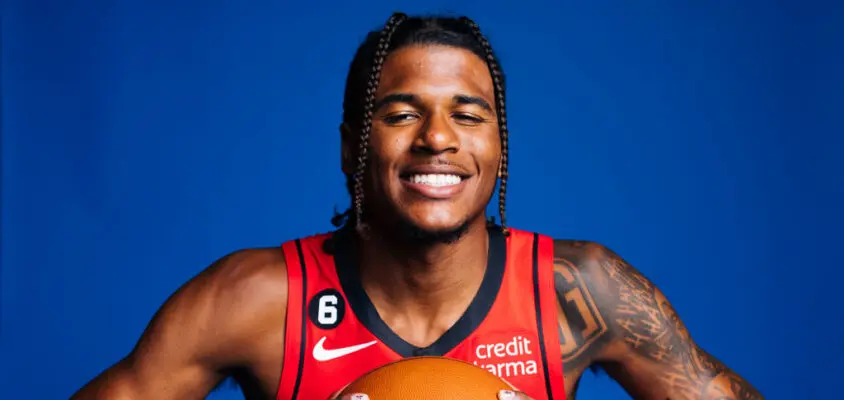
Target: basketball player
415,267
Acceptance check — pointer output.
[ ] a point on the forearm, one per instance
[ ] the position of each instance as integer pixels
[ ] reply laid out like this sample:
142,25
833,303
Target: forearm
726,384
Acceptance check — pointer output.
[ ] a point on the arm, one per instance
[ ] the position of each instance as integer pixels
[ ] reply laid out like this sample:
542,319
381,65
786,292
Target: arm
215,323
637,337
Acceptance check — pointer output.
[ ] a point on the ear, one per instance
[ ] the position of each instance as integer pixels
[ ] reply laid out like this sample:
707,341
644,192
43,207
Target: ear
500,166
347,144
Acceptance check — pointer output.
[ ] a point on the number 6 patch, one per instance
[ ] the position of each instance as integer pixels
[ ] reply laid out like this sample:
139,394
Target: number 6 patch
326,309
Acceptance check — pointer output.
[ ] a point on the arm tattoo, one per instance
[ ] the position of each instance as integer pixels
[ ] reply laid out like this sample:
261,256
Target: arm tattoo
585,323
650,326
605,304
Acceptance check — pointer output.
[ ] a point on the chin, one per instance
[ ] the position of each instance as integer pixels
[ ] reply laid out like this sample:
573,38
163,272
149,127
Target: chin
433,227
425,234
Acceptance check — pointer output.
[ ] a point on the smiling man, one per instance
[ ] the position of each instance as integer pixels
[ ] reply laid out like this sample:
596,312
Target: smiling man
416,268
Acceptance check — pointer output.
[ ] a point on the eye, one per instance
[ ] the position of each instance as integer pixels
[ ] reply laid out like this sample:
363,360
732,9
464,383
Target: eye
469,118
398,119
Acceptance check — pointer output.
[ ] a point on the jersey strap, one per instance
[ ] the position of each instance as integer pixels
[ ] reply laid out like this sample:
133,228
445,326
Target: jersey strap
294,335
545,299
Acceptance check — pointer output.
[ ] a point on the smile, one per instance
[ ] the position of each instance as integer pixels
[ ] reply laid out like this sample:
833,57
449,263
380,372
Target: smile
435,180
435,186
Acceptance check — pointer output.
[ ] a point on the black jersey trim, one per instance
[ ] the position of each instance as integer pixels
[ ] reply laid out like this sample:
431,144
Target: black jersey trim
538,303
348,271
303,320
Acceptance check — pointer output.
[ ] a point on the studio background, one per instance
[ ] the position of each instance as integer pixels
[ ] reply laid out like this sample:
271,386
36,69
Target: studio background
141,140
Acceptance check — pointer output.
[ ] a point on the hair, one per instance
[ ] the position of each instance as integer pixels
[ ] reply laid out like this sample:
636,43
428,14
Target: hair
365,73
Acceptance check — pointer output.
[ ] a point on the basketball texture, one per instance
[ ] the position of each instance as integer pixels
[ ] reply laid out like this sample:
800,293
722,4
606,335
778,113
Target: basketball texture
426,378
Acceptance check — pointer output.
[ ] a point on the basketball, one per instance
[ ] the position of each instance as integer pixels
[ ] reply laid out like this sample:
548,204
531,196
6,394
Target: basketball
425,378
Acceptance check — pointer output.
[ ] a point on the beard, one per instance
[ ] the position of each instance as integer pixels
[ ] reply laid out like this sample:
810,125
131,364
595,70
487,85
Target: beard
387,216
426,237
401,229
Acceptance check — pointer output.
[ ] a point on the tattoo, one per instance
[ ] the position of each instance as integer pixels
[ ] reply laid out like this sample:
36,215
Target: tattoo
651,327
603,300
585,323
726,385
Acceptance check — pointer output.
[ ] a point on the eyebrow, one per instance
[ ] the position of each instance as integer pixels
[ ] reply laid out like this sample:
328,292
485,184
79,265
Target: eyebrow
408,98
394,98
464,99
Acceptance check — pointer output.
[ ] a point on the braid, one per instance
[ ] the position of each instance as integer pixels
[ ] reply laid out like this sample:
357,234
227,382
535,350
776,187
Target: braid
366,128
500,106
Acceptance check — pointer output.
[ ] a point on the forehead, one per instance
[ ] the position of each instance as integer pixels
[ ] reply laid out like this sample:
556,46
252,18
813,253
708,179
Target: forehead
435,68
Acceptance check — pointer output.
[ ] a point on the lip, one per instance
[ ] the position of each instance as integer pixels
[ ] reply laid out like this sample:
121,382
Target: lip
446,169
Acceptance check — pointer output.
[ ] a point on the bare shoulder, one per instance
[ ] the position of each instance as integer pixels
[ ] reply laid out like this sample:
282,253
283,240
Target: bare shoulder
227,318
244,294
627,307
252,278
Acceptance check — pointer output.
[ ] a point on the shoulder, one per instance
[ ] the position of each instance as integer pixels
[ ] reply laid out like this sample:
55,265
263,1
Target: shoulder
628,306
601,294
611,281
222,315
247,273
600,265
228,316
590,262
244,286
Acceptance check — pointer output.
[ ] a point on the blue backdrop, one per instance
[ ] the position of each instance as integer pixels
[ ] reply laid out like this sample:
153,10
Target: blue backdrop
141,140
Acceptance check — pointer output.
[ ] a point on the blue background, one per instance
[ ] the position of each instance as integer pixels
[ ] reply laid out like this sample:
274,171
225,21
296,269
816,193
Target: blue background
699,139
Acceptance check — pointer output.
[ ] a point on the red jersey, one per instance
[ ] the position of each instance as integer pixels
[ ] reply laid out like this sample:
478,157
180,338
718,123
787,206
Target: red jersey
334,333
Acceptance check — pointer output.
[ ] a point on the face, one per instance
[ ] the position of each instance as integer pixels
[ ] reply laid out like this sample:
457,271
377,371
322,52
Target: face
434,146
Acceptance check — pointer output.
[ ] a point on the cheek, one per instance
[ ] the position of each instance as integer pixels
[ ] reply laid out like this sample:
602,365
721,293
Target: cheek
386,151
487,151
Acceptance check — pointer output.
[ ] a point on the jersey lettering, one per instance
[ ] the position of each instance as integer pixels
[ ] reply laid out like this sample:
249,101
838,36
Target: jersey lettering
506,355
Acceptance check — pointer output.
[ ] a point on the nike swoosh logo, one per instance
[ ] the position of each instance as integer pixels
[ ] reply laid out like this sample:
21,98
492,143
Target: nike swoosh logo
320,353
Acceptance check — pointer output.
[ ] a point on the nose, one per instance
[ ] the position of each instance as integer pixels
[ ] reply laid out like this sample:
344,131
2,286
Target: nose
437,136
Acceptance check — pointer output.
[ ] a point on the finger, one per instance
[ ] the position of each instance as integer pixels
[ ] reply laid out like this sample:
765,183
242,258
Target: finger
509,384
511,395
355,396
336,395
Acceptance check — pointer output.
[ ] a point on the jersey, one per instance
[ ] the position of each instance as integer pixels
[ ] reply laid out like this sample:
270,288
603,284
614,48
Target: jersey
334,334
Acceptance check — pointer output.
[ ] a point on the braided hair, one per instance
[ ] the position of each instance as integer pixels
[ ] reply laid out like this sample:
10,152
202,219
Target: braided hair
365,74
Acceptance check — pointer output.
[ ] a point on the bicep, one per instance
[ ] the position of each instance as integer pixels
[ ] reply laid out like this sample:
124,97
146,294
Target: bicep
170,360
227,317
652,353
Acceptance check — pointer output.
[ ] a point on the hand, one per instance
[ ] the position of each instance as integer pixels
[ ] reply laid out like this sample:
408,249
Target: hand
511,395
502,395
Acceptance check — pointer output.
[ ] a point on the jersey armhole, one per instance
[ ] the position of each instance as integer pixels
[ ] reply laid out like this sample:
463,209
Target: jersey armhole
294,335
543,260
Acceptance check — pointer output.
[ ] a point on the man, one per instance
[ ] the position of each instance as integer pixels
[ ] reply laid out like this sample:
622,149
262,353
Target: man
416,268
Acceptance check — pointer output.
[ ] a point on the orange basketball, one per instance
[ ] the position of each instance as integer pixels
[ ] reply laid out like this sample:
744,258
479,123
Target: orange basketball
426,378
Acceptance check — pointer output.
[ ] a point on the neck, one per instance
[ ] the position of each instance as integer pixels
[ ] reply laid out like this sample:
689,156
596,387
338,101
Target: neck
435,282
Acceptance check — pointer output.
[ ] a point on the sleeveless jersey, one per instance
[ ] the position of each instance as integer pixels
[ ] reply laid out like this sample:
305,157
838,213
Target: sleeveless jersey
334,334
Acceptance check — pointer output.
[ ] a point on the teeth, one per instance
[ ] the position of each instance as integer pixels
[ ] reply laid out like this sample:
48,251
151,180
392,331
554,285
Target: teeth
435,179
